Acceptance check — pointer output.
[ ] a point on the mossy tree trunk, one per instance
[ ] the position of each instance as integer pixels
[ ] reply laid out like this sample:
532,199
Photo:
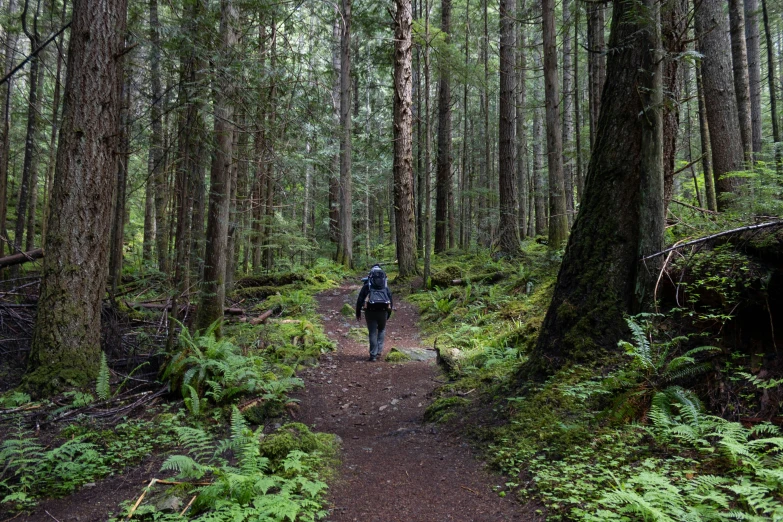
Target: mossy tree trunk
443,173
66,337
403,141
213,286
622,210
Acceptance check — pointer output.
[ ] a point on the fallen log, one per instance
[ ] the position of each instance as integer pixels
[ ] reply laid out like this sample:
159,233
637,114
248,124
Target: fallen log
262,318
167,306
21,257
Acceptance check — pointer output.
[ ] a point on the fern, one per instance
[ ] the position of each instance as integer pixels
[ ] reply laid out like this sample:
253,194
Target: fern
102,388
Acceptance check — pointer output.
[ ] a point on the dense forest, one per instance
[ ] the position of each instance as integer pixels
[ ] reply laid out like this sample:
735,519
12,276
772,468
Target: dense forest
583,198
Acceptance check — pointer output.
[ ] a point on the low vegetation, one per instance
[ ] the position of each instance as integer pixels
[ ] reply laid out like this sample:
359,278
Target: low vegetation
217,424
672,425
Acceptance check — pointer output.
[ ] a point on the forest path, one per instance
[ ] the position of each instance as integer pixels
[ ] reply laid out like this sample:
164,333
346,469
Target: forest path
394,468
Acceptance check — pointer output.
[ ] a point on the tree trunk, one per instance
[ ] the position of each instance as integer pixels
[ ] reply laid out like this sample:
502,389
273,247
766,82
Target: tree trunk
580,187
673,35
739,58
706,153
508,233
721,103
597,280
66,337
596,60
539,178
752,37
558,217
213,285
120,193
443,173
427,145
405,220
521,112
334,175
158,170
345,247
568,116
30,164
771,81
32,204
6,93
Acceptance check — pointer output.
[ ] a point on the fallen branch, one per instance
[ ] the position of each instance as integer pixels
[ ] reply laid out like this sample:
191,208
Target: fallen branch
263,317
715,236
143,493
21,257
703,210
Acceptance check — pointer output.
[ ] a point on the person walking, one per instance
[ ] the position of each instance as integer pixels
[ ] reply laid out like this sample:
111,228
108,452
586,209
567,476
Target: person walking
376,300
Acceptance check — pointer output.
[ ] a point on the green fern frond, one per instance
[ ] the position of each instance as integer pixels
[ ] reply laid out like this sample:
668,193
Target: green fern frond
102,388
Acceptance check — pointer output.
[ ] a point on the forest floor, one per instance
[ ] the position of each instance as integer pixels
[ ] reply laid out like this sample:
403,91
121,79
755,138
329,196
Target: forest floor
394,466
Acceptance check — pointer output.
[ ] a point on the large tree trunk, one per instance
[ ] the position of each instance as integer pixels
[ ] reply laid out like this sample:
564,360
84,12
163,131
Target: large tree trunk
558,216
443,173
508,233
752,37
66,336
739,58
213,285
345,246
6,92
597,282
712,30
405,220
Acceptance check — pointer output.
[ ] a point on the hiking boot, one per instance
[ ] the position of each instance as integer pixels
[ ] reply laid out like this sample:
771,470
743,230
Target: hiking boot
373,358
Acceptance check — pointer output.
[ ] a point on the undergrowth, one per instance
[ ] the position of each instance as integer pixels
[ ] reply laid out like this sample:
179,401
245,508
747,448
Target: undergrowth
246,376
626,438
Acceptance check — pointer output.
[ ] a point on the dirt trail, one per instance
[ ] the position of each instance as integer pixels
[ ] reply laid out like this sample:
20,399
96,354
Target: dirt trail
394,468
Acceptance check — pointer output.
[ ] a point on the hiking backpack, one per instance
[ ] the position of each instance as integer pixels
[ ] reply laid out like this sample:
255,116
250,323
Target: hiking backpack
378,296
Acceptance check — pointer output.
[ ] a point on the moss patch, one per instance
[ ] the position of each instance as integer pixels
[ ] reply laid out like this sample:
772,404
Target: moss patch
396,356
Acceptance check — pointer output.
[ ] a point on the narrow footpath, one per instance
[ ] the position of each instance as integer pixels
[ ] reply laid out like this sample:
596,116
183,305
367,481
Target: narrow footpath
394,467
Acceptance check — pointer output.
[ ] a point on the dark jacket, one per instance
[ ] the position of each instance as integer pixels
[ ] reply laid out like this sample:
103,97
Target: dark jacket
363,296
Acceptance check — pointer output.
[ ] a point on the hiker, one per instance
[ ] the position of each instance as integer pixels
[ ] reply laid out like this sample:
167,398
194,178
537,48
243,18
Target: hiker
376,300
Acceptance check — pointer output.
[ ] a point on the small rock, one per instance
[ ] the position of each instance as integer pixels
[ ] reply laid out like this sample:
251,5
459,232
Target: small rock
383,407
89,485
394,401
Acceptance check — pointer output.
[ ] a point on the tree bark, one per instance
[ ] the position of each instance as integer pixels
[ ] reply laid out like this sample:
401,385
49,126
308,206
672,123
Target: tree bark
521,111
596,63
771,82
120,192
597,283
443,173
213,285
66,336
673,35
727,154
539,178
508,233
6,93
405,219
739,58
558,212
345,247
568,116
752,37
334,175
706,152
157,170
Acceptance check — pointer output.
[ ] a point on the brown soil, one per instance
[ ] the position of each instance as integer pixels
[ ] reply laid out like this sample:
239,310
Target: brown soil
394,467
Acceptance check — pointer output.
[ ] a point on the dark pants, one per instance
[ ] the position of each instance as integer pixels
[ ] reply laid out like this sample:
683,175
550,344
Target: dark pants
376,325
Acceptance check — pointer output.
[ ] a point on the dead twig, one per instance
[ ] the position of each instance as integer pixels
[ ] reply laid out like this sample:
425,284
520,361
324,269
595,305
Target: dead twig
471,490
188,506
53,517
143,493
